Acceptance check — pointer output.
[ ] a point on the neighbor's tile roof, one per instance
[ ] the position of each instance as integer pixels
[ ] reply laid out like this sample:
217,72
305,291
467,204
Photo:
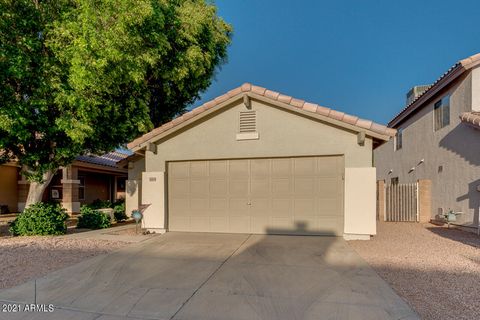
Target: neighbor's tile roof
273,95
459,67
108,160
471,118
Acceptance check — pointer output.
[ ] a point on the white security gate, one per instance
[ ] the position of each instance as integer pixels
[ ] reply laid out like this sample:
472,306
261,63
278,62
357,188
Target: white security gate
401,202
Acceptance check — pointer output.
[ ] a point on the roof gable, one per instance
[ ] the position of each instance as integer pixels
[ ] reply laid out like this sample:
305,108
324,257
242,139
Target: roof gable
445,79
248,90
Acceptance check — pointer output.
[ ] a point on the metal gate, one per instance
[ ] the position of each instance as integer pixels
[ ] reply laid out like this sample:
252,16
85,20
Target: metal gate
401,202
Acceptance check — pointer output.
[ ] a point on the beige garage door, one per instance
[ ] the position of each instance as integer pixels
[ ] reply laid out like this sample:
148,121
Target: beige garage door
301,195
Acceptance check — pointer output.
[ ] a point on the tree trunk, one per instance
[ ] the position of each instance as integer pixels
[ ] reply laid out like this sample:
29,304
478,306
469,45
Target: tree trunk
36,190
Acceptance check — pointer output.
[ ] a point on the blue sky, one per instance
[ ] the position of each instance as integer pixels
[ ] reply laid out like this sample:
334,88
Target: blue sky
359,57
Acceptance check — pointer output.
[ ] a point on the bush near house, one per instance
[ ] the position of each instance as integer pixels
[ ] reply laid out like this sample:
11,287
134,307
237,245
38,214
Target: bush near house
93,219
119,212
100,204
117,206
40,219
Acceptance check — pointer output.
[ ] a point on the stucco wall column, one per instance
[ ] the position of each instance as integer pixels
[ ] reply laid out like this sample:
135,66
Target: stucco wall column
381,200
424,200
70,185
23,187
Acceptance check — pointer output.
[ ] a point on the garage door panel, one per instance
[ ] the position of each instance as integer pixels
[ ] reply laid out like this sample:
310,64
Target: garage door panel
281,167
239,169
239,224
238,188
199,169
304,166
304,206
282,186
219,224
304,187
180,187
281,225
199,206
200,223
282,207
283,195
181,206
260,187
238,206
218,187
329,166
260,224
260,168
199,187
305,223
220,205
178,170
329,225
179,223
260,207
218,169
328,188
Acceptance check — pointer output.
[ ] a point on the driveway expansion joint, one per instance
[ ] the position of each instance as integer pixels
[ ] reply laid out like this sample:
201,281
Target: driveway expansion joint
210,277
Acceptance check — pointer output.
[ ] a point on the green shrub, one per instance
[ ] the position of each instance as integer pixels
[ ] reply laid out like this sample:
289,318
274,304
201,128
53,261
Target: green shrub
93,219
119,212
100,204
40,219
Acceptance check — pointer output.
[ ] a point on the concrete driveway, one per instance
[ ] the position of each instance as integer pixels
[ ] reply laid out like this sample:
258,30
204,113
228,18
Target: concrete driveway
217,276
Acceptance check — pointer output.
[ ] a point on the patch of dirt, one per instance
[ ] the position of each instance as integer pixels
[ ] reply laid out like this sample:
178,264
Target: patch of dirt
435,269
26,258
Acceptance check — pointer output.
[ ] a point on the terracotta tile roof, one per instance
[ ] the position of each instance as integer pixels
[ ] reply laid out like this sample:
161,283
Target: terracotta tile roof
272,95
471,118
108,160
451,74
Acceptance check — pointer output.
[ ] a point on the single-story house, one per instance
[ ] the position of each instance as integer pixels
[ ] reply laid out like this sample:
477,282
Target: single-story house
257,161
438,139
87,179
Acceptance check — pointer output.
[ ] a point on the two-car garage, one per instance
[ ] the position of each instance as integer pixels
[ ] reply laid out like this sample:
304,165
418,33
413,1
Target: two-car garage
302,195
257,161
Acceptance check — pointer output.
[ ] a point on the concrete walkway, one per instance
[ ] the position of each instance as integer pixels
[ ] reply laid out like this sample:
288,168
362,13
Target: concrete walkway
217,276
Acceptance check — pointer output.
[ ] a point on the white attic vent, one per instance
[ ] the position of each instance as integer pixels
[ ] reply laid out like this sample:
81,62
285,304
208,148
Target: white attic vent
247,128
248,121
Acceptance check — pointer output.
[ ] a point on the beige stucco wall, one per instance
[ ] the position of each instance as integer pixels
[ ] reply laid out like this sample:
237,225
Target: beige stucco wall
454,147
360,203
281,134
9,187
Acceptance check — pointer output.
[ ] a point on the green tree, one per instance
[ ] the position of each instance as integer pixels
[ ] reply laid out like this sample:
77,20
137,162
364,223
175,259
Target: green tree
85,76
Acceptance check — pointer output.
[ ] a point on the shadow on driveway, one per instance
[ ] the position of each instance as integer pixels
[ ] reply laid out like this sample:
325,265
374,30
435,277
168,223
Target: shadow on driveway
219,276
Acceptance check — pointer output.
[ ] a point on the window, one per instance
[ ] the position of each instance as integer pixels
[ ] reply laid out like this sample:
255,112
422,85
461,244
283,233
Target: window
399,139
441,113
81,188
394,180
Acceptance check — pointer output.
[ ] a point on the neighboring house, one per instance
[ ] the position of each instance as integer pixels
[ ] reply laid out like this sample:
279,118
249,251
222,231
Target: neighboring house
257,161
88,178
438,139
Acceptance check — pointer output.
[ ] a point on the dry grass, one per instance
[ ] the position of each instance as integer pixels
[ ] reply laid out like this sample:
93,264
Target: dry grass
436,270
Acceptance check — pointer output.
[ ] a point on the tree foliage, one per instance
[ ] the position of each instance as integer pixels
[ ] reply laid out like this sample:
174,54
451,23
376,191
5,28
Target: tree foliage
84,76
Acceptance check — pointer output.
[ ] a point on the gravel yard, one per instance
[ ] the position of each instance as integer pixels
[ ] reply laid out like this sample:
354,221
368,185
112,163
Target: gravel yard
25,258
437,270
